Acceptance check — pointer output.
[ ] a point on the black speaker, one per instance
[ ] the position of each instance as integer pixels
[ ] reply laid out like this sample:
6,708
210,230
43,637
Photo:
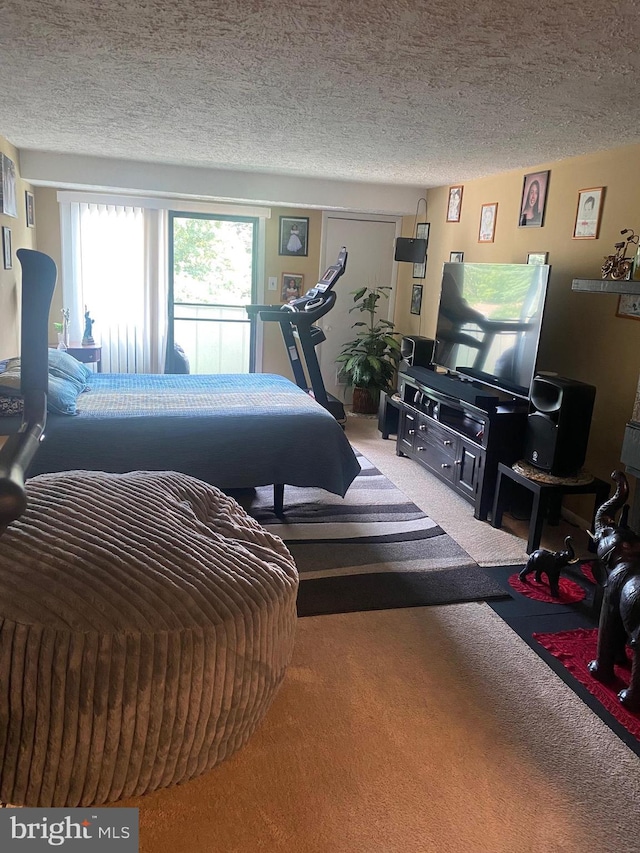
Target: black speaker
411,249
558,424
416,351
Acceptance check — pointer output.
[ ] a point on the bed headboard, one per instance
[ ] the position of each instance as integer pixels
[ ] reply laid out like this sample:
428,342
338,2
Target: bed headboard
38,283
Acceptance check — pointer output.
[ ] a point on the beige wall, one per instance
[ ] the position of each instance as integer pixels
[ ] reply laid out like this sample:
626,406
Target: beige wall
10,281
581,336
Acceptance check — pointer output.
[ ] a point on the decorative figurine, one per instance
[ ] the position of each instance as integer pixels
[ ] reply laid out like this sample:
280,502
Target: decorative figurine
87,338
618,550
551,563
619,266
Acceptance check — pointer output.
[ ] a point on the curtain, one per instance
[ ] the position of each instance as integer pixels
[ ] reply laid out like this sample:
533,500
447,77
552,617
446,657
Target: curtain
115,268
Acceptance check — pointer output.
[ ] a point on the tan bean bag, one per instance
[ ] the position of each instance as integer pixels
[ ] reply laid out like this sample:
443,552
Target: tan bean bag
146,622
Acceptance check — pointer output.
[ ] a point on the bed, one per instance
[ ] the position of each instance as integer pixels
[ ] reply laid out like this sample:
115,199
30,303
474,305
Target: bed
233,431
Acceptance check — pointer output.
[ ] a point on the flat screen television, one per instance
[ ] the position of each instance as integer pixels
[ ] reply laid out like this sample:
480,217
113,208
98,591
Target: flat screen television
489,322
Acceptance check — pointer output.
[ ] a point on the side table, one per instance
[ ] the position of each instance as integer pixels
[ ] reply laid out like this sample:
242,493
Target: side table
388,415
546,496
87,354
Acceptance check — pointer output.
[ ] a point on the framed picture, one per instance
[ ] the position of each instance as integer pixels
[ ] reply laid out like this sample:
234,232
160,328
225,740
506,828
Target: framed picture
454,205
30,209
488,216
416,298
588,212
422,233
6,247
628,306
8,204
534,199
537,257
456,257
294,236
291,287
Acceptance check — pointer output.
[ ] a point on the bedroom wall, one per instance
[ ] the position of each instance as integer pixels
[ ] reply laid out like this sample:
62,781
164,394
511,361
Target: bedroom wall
10,280
582,337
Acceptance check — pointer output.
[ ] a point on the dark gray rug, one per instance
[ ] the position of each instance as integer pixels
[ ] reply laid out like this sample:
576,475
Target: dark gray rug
372,550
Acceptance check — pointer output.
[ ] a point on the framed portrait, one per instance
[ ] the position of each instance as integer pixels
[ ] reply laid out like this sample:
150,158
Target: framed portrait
454,204
6,248
628,306
537,257
534,199
30,209
422,233
294,236
588,212
456,257
488,216
416,299
8,204
291,287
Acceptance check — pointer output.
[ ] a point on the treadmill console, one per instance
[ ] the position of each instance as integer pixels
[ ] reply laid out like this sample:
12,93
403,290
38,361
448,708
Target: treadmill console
316,295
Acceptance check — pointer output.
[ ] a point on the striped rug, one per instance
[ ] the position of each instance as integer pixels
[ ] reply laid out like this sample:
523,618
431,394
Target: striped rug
372,550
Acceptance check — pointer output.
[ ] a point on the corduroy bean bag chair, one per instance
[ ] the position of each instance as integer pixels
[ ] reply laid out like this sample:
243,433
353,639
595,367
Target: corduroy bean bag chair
146,622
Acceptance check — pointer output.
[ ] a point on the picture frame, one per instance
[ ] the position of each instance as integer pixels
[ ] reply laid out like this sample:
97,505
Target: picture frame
416,299
628,306
30,209
294,236
588,213
488,217
537,257
422,233
291,286
533,203
456,257
8,203
454,204
6,248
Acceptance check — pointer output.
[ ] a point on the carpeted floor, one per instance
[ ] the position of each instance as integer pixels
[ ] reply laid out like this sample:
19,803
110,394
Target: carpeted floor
421,730
372,550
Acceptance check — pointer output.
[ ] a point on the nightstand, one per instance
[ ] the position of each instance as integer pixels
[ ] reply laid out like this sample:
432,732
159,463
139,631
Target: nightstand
87,354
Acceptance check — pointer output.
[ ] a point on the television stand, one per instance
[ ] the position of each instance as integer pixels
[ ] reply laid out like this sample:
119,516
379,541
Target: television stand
460,431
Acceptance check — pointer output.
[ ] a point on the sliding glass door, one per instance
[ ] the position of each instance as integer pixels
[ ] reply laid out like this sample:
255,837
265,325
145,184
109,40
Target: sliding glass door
212,277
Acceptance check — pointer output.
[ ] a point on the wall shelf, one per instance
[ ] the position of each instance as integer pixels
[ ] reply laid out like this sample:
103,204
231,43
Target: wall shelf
598,285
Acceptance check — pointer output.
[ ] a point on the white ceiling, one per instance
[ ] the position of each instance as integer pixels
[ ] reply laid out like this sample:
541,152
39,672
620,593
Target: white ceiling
419,93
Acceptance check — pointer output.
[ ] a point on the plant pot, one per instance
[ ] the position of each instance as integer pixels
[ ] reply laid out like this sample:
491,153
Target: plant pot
365,401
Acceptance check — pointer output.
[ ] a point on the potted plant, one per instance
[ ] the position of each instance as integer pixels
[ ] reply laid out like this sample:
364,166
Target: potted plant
368,363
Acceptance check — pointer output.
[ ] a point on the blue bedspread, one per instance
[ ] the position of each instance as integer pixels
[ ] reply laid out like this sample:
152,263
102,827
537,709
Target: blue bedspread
234,431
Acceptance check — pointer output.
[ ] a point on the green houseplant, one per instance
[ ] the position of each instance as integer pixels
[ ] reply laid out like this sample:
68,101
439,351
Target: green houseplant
368,363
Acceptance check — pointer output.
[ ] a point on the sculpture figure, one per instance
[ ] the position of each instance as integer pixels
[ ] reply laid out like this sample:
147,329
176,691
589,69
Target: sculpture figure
551,563
87,337
618,550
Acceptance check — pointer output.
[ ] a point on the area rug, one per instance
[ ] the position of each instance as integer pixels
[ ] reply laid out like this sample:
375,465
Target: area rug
574,650
372,550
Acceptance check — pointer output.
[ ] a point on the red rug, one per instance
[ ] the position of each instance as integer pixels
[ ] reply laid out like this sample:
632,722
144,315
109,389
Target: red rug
574,650
570,591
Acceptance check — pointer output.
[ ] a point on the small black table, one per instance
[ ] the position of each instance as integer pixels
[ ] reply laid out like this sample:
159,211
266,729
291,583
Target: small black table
547,497
388,414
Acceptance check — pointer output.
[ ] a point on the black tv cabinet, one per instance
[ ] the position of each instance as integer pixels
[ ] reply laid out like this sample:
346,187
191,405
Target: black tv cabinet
459,430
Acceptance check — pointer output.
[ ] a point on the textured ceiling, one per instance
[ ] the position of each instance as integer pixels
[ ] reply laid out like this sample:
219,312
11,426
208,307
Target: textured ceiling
423,93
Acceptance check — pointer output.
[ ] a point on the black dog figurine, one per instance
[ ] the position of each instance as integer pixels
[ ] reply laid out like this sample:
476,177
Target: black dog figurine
551,564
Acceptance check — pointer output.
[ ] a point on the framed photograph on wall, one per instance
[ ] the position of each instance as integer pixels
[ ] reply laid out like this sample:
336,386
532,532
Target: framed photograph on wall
588,213
422,233
30,209
534,199
537,257
456,257
488,216
291,287
8,203
6,248
628,306
416,299
294,236
454,205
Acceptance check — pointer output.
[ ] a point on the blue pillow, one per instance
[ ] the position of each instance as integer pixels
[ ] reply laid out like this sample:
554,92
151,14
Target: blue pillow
61,398
62,365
